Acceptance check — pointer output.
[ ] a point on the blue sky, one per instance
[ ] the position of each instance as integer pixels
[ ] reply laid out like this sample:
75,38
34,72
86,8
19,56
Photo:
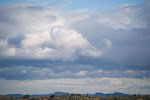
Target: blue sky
74,46
80,4
100,4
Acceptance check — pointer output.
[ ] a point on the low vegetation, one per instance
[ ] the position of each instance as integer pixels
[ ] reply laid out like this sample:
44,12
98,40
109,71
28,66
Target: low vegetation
77,97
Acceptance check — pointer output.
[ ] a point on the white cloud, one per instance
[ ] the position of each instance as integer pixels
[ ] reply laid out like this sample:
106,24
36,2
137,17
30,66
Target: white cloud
65,36
100,71
81,73
105,81
35,39
129,71
108,43
70,42
3,43
10,52
46,35
6,50
59,43
24,71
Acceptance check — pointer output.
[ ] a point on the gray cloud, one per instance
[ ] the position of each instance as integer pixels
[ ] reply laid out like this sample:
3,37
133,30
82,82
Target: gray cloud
68,71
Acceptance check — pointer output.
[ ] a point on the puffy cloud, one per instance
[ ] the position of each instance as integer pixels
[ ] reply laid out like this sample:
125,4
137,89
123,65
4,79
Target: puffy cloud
95,31
45,35
70,42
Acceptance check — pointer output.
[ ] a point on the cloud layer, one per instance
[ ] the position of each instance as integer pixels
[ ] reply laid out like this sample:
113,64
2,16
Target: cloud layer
78,50
80,85
71,71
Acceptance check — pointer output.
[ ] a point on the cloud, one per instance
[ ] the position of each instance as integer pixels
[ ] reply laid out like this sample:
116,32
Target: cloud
78,85
6,50
67,71
105,80
129,71
108,42
123,18
24,71
70,42
81,73
119,34
45,35
123,26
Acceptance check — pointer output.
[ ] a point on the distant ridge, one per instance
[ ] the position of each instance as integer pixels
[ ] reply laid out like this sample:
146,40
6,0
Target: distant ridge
62,93
15,95
112,94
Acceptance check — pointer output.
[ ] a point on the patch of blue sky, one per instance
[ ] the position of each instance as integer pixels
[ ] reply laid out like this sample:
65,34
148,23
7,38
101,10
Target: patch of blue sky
79,4
36,2
100,4
10,1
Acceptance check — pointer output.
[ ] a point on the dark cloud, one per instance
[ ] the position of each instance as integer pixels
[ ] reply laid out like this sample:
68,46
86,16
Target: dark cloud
16,41
45,69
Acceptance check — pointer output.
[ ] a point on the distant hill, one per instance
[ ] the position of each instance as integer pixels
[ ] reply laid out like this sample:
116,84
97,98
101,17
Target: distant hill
34,95
15,95
40,95
62,93
112,95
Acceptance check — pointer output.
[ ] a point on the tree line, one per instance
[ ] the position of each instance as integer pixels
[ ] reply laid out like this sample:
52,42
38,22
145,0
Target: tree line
77,97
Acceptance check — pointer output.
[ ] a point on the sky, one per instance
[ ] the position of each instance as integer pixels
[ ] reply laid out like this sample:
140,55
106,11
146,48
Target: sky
74,46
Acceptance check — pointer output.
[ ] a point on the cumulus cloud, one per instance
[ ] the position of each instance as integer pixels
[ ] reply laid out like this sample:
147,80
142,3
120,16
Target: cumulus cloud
70,42
45,35
93,33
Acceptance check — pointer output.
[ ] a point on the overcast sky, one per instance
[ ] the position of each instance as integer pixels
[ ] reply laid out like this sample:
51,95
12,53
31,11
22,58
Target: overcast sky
74,46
